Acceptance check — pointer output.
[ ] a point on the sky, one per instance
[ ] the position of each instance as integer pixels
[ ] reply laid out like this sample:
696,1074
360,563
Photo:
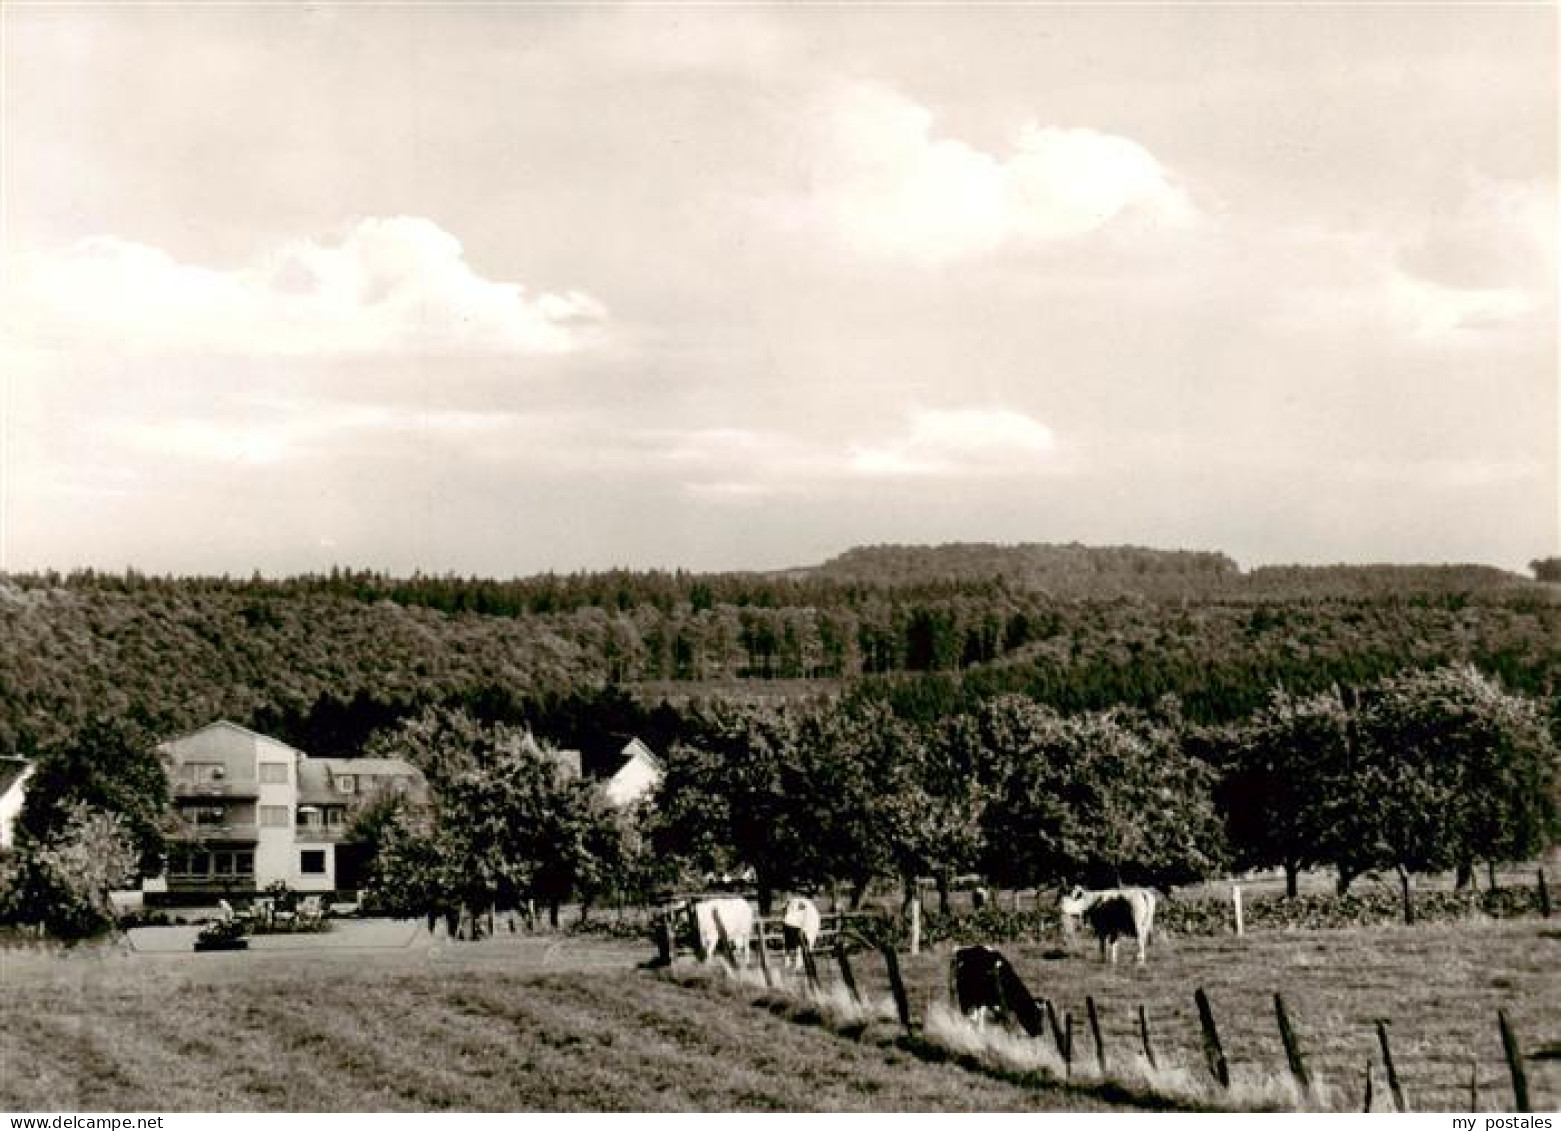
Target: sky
499,289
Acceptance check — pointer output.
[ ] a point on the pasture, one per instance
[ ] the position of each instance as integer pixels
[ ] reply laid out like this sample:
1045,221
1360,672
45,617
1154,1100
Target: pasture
1439,985
568,1024
549,1024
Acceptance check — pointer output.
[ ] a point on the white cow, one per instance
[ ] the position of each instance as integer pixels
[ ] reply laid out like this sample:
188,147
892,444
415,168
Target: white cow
1113,913
799,924
736,920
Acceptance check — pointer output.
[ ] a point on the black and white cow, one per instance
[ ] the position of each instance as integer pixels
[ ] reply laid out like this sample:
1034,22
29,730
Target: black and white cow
985,986
1112,914
800,924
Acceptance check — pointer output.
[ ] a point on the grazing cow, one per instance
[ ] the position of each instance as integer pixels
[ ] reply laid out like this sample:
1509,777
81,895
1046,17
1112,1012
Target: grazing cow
736,920
986,987
1113,913
799,924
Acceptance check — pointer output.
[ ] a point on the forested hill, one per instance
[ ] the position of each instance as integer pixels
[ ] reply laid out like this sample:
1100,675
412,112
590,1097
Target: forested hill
321,660
1071,569
1110,571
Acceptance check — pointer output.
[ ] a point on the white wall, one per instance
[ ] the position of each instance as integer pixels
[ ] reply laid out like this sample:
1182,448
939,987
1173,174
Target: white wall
276,857
634,780
11,808
325,881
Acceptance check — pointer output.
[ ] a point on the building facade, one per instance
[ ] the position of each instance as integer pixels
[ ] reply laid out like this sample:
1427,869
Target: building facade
14,773
250,811
638,776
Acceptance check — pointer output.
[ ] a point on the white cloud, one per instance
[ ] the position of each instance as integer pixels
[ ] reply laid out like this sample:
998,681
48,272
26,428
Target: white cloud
1430,310
399,284
1500,234
961,441
886,183
1489,261
742,465
288,432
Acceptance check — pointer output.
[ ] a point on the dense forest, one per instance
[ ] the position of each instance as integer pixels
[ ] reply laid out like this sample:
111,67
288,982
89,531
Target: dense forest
1034,713
325,660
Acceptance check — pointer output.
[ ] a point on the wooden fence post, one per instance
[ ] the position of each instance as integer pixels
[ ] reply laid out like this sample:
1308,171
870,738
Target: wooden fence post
809,966
1544,896
1510,1046
1292,1047
1056,1027
764,957
1094,1028
1067,1044
846,975
724,947
666,941
699,937
1143,1033
1397,1091
1235,900
902,1001
1213,1052
1366,1104
916,926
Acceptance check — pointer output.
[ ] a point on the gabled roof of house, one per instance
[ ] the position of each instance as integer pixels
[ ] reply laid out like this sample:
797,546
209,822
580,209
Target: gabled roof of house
635,748
607,757
12,770
314,776
224,724
373,767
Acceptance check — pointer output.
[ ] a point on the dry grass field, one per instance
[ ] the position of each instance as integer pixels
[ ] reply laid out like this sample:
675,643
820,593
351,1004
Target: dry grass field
486,1028
1439,985
474,1031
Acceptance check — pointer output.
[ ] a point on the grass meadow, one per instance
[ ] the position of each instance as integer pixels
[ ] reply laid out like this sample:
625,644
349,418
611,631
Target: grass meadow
490,1027
472,1031
1439,985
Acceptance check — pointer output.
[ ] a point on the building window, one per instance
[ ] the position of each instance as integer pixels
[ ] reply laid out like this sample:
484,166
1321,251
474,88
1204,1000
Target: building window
244,863
273,773
335,817
273,816
311,862
205,815
203,773
346,783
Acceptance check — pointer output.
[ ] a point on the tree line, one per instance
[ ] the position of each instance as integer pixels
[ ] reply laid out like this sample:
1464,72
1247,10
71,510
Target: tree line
1410,773
324,668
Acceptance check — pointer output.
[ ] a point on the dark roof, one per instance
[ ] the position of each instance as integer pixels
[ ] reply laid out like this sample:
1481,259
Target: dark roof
11,770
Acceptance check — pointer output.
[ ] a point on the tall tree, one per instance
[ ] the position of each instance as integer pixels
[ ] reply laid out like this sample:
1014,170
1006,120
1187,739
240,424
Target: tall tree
1284,781
109,765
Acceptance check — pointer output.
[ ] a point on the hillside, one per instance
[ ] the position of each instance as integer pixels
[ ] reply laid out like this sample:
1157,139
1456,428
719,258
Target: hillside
323,660
1062,569
1075,570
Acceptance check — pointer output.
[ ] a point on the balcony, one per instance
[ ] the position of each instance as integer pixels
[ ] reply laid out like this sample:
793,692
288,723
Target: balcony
238,832
216,789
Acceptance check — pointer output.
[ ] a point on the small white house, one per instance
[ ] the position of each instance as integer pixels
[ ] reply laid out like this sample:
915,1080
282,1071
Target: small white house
640,773
14,773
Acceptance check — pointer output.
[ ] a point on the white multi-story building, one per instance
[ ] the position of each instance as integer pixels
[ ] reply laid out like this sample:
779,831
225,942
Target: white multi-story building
251,811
